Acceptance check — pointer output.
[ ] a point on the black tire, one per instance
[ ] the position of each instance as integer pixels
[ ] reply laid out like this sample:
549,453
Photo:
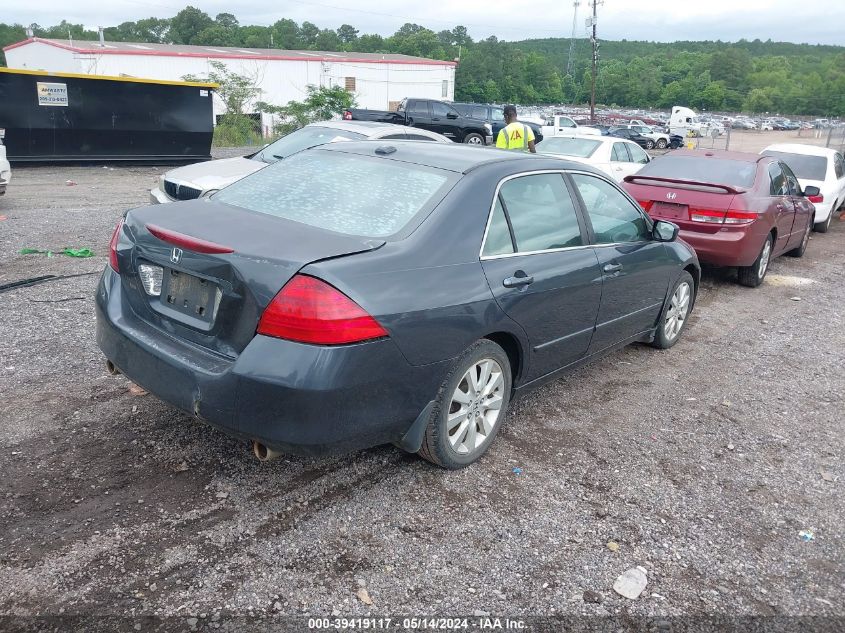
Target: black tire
663,339
799,252
750,275
822,227
436,446
661,143
649,144
474,139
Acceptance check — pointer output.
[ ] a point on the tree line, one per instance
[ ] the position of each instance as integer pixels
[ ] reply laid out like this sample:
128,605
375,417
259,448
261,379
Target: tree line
751,76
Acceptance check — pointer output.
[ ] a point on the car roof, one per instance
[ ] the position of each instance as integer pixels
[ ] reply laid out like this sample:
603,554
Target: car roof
798,148
451,157
367,128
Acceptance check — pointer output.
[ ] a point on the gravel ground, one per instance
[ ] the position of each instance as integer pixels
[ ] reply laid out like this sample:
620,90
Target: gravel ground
702,464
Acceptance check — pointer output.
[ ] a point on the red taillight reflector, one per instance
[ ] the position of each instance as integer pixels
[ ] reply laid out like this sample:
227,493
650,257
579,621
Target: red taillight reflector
347,116
816,199
113,247
716,216
308,310
646,204
187,242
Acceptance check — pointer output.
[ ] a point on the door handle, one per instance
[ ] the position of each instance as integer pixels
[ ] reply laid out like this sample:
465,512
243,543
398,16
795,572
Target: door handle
612,268
518,281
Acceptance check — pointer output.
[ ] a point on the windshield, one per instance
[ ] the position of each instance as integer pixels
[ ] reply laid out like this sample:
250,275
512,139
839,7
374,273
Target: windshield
304,138
718,171
568,146
805,167
341,192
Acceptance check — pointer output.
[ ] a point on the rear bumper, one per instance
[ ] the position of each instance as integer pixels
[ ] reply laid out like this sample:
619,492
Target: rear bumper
731,247
297,398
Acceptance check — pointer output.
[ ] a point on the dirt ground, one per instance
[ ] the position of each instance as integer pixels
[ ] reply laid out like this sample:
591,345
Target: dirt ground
703,464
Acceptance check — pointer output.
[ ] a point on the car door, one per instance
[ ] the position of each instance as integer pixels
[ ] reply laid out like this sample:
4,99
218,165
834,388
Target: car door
440,121
639,158
839,174
781,206
541,270
418,114
635,268
620,161
803,208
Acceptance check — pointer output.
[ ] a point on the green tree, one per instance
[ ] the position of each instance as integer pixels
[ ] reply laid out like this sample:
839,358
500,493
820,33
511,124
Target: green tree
757,101
187,24
234,90
347,33
320,104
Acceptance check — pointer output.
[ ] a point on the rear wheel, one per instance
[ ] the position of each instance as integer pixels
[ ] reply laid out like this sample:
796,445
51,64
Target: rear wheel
752,276
649,144
661,143
470,407
673,320
822,227
474,139
799,252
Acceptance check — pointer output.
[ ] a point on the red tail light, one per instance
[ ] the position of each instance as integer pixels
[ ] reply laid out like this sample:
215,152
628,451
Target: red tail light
816,199
113,247
309,310
646,204
347,116
716,216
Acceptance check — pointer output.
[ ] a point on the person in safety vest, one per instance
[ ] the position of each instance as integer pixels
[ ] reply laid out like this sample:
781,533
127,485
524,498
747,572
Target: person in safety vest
515,135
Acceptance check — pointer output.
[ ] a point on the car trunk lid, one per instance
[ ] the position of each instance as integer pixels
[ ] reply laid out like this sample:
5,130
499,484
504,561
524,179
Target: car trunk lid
220,267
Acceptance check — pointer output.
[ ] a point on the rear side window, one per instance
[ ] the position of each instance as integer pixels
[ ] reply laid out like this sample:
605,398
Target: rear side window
615,219
498,241
804,166
779,186
719,171
418,108
620,153
541,212
345,193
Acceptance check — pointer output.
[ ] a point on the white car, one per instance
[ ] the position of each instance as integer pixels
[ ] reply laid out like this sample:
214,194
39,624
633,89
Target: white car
617,157
817,167
202,179
661,139
560,125
5,168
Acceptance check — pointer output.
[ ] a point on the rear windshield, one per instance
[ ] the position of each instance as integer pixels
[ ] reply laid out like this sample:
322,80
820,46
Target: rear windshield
341,192
568,146
304,138
803,166
717,171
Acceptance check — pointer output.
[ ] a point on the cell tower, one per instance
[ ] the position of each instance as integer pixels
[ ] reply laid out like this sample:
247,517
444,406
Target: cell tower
572,37
591,23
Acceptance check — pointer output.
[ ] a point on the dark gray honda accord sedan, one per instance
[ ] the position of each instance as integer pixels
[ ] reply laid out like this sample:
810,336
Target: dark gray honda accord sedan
363,293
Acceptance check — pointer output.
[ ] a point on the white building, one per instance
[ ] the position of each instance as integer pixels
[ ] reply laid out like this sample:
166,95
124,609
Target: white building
377,80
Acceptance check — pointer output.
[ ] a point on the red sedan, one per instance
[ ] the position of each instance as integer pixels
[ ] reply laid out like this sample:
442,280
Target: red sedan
735,209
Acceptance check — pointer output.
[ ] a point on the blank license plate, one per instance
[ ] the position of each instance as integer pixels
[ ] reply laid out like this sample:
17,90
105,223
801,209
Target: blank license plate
670,211
189,295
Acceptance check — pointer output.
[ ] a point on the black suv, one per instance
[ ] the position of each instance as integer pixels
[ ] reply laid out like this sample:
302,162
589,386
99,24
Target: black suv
494,116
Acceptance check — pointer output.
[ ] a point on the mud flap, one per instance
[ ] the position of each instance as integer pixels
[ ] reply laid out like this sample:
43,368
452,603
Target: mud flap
413,438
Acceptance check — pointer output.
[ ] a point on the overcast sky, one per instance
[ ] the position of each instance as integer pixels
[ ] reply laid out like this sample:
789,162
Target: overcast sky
813,21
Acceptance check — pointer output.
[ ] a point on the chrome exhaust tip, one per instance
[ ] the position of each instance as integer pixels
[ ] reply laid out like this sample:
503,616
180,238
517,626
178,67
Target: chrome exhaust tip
264,453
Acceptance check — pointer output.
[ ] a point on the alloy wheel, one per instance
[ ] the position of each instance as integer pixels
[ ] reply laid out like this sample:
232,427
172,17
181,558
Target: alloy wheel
678,310
475,406
764,259
474,140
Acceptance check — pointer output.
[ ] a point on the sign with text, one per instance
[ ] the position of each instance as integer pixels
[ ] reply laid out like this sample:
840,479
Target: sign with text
51,94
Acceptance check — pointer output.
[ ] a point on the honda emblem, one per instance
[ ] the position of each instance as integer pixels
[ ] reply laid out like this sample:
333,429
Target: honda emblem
176,255
671,195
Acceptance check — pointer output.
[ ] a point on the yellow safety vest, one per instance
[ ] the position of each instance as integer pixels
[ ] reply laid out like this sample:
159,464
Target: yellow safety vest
515,136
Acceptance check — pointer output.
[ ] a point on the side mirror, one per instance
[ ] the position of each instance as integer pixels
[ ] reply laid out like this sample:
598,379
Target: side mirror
451,115
810,191
664,231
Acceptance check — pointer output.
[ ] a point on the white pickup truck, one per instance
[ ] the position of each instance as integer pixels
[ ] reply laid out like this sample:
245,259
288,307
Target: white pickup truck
560,125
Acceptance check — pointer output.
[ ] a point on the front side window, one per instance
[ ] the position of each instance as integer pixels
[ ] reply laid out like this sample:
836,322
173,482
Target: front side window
792,185
479,112
541,212
638,154
615,219
498,114
440,109
341,192
839,166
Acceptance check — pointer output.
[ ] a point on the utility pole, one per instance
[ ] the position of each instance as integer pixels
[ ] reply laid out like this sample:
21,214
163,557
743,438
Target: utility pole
595,42
572,37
